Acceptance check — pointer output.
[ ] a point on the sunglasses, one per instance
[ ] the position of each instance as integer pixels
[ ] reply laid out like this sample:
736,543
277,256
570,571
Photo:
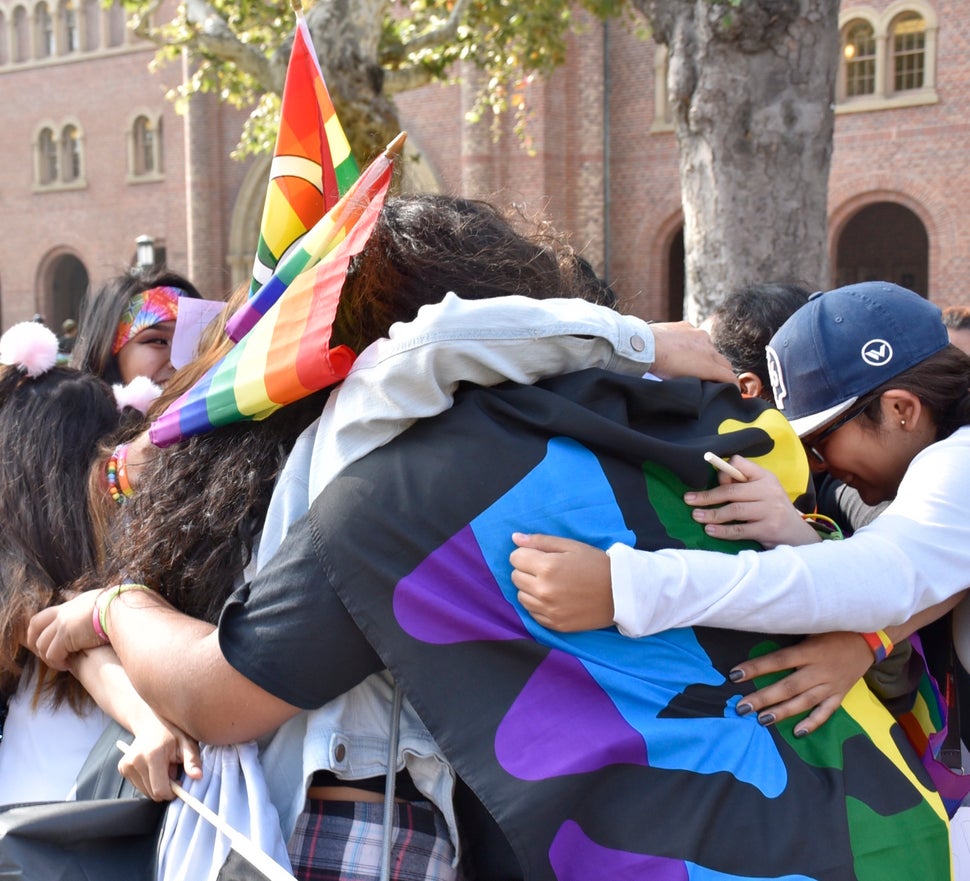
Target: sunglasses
813,445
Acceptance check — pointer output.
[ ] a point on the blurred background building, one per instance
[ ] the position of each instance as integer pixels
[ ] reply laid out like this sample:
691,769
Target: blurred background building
98,172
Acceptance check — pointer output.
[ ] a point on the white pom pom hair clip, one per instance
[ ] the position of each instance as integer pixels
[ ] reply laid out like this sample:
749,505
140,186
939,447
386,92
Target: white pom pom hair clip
139,393
30,347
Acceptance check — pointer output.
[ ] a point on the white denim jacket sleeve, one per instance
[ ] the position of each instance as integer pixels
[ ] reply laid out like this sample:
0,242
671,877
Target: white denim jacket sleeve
915,554
413,374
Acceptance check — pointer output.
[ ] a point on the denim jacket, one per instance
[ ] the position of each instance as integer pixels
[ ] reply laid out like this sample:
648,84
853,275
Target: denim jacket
396,381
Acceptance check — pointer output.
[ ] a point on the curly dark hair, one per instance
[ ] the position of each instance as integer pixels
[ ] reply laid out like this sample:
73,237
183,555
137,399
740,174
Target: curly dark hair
427,245
189,530
747,319
957,317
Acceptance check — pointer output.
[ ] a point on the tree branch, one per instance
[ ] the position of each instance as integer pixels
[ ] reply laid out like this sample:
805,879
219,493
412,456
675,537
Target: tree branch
208,34
443,34
403,79
140,21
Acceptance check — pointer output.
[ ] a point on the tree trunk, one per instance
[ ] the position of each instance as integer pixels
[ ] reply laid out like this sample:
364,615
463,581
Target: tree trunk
752,89
346,34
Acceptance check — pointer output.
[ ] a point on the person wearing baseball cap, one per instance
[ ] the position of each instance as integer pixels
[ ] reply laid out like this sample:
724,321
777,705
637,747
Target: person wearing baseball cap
881,400
830,361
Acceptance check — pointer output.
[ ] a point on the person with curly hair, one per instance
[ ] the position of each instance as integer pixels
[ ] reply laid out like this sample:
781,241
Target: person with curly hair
445,290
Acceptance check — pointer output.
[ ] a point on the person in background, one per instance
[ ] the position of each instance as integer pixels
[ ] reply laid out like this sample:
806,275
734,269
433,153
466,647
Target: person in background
127,326
881,400
742,325
741,328
65,342
957,321
53,420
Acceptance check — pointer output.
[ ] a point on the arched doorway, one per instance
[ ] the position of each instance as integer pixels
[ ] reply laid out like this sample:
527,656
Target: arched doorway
65,282
676,277
884,241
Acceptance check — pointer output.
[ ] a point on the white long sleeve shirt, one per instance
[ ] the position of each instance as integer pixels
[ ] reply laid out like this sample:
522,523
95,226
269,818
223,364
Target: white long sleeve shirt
916,554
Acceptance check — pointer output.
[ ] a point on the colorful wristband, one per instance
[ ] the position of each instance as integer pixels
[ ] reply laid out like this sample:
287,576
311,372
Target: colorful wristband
121,458
116,473
110,595
96,622
880,644
826,527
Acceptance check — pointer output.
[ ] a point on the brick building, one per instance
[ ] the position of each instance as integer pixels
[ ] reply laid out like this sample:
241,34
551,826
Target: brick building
94,155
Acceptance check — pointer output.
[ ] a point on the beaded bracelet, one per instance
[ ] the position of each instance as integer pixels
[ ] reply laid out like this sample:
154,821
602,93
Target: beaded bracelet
121,457
880,643
110,595
111,473
116,471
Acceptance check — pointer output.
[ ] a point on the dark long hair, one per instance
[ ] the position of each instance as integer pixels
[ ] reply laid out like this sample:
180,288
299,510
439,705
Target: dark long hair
101,313
941,382
189,530
50,431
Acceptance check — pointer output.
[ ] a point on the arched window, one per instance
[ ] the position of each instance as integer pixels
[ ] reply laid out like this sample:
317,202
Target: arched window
663,114
70,29
44,33
47,158
909,52
888,59
145,146
20,22
71,158
859,52
4,39
59,155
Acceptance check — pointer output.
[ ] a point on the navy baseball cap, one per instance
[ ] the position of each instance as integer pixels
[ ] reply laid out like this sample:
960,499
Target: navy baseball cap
845,343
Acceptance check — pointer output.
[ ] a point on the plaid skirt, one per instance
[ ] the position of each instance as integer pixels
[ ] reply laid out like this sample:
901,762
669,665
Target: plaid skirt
341,841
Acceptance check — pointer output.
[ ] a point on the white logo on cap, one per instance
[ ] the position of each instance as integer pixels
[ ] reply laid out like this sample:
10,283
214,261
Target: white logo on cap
877,353
777,380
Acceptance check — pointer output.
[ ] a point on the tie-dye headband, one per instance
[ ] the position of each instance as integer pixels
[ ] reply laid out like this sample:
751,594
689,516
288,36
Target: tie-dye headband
145,310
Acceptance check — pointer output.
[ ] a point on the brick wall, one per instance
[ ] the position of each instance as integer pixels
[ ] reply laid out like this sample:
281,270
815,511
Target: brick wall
617,198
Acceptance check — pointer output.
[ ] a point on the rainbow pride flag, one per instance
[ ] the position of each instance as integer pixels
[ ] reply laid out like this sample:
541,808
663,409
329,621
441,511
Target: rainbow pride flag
287,354
319,240
312,163
598,756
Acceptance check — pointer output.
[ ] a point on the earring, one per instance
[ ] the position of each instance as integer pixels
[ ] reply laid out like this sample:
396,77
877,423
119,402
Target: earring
902,421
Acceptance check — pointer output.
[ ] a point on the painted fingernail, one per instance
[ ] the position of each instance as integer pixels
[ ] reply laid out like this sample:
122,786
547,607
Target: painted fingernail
766,718
736,675
800,732
743,709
